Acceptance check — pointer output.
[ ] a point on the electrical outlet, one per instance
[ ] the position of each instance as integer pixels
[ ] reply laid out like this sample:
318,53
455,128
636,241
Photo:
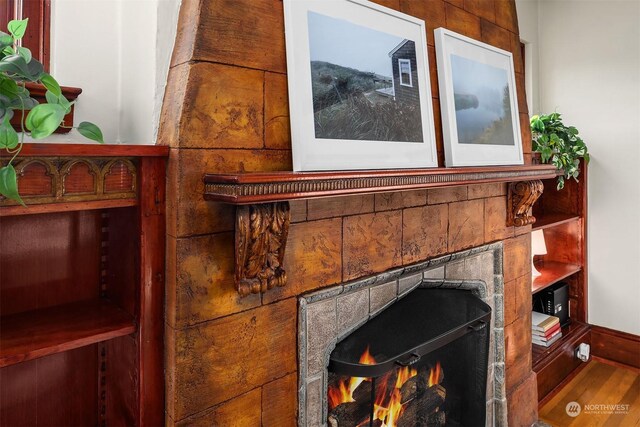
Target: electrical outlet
583,352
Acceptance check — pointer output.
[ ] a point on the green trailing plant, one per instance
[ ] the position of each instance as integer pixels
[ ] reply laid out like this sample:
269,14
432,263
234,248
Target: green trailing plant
559,145
16,68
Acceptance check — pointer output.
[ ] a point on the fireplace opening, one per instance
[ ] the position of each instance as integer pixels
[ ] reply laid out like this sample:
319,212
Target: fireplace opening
421,362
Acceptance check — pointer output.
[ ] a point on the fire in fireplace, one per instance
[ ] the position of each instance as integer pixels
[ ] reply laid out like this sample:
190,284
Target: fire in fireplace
399,379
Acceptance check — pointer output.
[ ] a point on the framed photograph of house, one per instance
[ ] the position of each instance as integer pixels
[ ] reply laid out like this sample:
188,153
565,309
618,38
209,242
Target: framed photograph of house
359,93
480,122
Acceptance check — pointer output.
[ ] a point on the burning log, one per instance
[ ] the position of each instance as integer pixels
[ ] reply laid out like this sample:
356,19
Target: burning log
436,419
348,414
417,385
418,410
363,392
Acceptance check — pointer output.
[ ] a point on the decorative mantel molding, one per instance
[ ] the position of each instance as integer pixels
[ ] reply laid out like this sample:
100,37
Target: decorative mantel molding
261,238
522,196
262,216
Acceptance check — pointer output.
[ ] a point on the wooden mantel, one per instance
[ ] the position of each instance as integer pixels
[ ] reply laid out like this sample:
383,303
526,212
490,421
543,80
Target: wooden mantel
254,188
262,215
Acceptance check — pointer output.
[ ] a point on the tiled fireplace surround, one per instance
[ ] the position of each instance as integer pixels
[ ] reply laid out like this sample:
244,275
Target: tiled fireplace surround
329,315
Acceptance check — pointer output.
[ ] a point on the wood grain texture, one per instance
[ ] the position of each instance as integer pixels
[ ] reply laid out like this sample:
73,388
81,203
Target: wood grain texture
244,410
466,225
522,407
260,243
151,281
517,348
56,390
517,258
463,22
280,403
340,206
34,334
371,243
483,8
203,286
506,15
446,195
495,216
277,129
496,36
252,188
597,384
222,107
552,365
432,12
255,38
212,217
521,197
259,346
617,346
313,258
424,232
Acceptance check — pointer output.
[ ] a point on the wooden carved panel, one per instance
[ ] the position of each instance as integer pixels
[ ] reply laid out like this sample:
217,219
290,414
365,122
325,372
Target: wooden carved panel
43,180
261,238
522,196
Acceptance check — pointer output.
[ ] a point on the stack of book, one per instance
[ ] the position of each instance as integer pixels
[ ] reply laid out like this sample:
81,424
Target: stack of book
545,329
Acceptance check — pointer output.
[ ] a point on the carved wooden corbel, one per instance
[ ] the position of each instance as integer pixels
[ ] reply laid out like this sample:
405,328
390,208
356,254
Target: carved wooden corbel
261,238
522,196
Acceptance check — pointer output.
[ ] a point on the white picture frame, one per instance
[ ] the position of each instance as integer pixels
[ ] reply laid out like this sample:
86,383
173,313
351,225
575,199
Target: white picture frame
317,143
475,123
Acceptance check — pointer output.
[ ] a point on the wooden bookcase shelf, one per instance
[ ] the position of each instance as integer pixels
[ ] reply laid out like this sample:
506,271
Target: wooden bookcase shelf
562,217
551,273
554,219
81,290
568,332
33,334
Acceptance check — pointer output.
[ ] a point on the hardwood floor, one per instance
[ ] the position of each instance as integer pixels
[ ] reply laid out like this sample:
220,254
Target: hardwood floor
595,387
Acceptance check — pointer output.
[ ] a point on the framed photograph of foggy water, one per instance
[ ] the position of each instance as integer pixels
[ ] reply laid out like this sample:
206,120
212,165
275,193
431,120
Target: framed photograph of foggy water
359,93
478,102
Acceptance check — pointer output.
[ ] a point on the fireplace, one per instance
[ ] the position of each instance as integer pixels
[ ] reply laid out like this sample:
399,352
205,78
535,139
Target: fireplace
421,345
421,362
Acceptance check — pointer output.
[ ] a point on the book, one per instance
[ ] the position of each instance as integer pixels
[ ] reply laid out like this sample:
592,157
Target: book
547,343
543,322
549,332
545,338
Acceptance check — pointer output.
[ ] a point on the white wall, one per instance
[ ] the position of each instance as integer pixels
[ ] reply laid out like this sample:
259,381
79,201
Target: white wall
528,25
589,70
118,52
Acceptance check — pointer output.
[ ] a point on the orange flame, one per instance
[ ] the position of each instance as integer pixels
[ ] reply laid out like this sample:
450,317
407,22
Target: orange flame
344,391
434,375
388,406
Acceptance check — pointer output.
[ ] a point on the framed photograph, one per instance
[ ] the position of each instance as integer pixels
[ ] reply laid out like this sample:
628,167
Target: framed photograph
359,93
480,122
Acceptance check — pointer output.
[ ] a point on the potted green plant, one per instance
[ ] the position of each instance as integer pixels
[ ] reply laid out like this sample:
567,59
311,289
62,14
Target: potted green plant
559,145
16,68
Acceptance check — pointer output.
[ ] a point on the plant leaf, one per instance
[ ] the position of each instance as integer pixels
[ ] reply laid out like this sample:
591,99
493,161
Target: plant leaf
18,27
9,184
25,53
51,84
5,39
44,119
91,131
8,135
15,64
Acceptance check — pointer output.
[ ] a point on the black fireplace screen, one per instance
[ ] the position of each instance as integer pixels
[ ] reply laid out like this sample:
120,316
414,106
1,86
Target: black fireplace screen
421,362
